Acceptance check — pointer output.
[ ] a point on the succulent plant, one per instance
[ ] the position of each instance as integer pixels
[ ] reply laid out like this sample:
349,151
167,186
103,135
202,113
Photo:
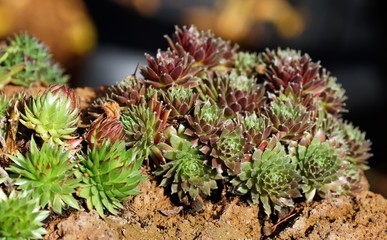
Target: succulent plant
144,125
6,73
234,93
53,115
270,178
246,63
180,100
21,216
256,130
290,116
110,174
38,66
358,145
268,124
170,70
105,128
125,93
48,174
186,171
290,68
333,97
229,151
206,50
353,142
205,123
319,165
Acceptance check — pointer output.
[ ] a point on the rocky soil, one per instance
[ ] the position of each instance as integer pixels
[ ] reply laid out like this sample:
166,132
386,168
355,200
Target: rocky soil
151,215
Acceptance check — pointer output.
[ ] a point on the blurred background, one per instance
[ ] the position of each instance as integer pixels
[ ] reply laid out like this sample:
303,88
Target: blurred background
101,42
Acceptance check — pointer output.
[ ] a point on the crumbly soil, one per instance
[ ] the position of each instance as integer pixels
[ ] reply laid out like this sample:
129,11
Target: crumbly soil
153,215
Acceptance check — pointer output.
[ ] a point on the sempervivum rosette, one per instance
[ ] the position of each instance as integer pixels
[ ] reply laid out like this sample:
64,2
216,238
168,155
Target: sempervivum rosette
270,178
233,93
256,130
110,174
144,125
48,174
205,123
105,128
332,99
358,146
291,116
245,63
355,151
170,70
289,69
21,216
207,50
53,115
319,164
229,151
125,93
180,100
186,171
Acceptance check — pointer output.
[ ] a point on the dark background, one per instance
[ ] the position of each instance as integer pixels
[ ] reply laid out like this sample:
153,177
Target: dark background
346,36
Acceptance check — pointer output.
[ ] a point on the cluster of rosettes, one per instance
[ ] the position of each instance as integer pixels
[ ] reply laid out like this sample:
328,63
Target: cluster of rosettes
202,115
45,164
266,125
55,168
